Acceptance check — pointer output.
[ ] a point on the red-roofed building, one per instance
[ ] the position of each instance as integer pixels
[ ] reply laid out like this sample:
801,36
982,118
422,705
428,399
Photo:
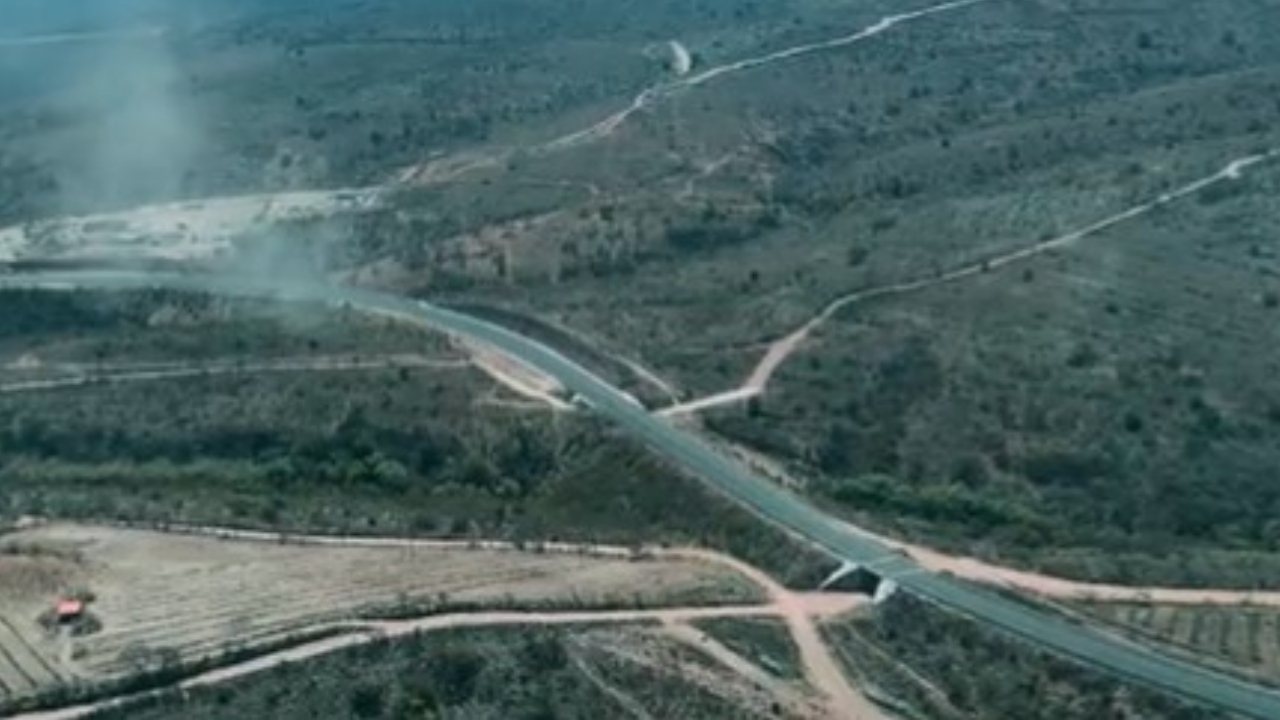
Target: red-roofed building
69,610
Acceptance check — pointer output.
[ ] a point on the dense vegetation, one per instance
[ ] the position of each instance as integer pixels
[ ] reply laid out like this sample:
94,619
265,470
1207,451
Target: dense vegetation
1108,410
1027,408
1116,396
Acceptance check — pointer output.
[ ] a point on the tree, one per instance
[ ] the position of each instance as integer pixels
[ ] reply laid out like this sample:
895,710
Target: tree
544,653
367,701
456,671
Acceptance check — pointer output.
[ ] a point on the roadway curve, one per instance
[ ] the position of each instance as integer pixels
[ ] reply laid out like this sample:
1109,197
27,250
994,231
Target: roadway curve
1087,645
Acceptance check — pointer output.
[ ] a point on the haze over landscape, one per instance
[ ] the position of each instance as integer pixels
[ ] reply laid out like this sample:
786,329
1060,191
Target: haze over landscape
717,359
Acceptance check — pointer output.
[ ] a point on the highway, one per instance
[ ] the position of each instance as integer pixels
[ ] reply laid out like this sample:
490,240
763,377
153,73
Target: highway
1051,632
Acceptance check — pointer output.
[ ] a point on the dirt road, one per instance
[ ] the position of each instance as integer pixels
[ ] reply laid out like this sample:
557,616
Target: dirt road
364,633
798,611
780,689
657,93
1060,589
781,350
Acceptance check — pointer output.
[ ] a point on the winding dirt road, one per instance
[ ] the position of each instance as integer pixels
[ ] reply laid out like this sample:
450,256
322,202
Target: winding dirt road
781,350
657,93
354,634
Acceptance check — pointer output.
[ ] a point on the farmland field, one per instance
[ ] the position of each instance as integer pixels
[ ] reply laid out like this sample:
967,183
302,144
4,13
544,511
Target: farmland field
1247,638
165,599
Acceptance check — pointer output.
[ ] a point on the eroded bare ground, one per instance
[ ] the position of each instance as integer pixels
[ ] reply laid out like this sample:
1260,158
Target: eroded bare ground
192,592
193,230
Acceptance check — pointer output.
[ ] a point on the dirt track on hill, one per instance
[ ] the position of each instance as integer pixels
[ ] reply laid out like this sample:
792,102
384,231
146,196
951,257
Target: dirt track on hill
782,350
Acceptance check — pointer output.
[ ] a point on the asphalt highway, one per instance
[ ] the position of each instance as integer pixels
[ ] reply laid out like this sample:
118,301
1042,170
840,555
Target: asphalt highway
1084,644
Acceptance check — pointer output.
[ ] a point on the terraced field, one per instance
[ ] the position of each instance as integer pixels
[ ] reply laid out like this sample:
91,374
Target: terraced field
28,661
1248,638
166,599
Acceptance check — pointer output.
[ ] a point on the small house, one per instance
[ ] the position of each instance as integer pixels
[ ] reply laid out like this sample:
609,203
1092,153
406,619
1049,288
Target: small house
68,611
